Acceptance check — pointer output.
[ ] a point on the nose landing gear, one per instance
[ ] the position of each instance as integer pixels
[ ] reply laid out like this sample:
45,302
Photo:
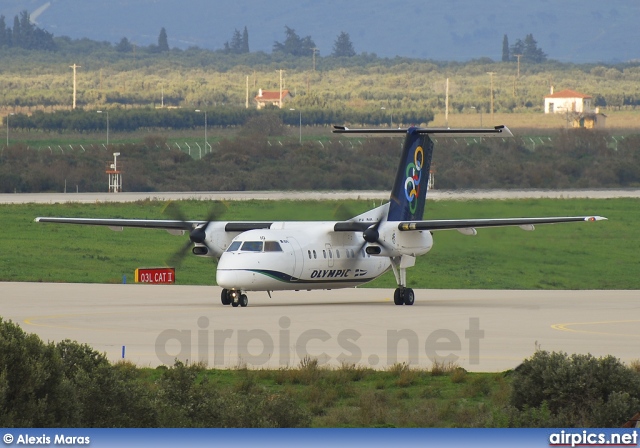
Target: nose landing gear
234,298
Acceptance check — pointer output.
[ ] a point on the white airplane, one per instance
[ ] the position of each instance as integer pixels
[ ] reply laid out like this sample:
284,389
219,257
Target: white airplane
302,255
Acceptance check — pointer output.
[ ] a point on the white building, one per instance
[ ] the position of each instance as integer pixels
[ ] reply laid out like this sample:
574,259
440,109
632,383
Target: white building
567,101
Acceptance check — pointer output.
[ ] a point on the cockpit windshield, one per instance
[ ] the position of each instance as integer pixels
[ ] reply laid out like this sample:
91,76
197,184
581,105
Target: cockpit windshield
255,246
272,246
252,246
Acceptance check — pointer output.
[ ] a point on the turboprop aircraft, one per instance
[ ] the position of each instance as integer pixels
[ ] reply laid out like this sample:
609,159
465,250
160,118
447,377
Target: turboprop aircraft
302,255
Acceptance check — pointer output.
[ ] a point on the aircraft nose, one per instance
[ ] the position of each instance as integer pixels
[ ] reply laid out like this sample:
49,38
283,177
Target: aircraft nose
227,278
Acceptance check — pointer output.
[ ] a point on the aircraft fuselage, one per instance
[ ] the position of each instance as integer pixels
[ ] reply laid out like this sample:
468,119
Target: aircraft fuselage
296,257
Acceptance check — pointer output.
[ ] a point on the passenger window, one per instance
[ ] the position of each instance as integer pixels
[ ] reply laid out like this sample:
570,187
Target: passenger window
337,253
314,254
234,246
309,252
252,246
272,246
330,254
324,253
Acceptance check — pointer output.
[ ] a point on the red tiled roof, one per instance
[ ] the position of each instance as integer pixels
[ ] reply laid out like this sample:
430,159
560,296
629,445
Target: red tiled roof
268,95
567,93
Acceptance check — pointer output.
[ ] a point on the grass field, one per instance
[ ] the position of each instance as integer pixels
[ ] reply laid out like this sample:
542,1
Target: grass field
602,255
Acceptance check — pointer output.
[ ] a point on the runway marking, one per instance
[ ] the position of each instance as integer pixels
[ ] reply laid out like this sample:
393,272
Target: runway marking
564,327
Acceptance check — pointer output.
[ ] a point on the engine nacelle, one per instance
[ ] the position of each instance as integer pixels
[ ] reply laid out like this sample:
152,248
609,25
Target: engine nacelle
217,240
395,242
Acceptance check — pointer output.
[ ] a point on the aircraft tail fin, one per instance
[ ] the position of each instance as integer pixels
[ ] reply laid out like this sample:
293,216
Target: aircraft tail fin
409,192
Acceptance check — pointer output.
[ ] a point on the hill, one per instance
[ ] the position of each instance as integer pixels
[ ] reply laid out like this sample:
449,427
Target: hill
570,31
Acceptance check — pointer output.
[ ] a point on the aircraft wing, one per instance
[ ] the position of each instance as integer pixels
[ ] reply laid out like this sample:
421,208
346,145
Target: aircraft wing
524,223
166,224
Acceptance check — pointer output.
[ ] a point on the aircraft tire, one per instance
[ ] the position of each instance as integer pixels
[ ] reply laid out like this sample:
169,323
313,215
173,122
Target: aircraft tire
244,300
408,296
397,296
235,304
224,297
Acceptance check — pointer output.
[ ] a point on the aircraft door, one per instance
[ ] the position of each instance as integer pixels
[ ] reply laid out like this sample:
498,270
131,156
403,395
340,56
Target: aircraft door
329,251
298,263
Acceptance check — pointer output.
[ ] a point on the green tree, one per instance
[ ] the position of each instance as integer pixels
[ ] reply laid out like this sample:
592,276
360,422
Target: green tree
531,51
3,32
517,48
343,46
163,42
505,49
237,45
294,44
245,40
124,46
16,38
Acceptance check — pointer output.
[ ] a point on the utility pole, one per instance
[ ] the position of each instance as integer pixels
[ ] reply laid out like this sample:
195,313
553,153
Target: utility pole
491,76
246,101
518,56
446,105
280,99
314,58
74,67
515,81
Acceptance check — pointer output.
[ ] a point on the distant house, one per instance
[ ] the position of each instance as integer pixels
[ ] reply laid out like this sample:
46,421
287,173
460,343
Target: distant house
567,101
590,120
266,97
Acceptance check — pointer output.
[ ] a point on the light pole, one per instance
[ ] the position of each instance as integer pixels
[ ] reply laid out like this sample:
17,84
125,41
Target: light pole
205,131
10,113
390,116
107,113
299,124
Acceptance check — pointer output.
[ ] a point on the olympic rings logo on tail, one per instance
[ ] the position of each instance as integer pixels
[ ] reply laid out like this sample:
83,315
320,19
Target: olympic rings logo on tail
412,182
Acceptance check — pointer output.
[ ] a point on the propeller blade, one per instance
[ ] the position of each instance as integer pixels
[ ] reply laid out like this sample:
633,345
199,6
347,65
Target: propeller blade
177,257
197,234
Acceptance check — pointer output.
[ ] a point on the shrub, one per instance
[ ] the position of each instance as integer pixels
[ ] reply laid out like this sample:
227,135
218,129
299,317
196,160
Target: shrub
33,389
577,390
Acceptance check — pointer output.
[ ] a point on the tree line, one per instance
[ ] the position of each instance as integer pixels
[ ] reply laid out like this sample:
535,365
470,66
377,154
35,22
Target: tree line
25,34
254,160
146,118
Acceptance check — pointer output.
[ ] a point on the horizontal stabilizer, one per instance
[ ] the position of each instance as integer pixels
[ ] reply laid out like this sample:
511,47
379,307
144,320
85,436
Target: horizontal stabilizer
498,131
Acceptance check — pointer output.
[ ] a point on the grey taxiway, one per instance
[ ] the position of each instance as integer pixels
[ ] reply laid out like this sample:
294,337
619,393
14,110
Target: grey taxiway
479,330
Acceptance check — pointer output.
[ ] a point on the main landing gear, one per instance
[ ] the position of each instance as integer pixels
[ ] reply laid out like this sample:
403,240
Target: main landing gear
403,296
234,298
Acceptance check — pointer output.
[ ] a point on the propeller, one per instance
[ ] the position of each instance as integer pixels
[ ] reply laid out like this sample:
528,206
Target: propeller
197,233
371,234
